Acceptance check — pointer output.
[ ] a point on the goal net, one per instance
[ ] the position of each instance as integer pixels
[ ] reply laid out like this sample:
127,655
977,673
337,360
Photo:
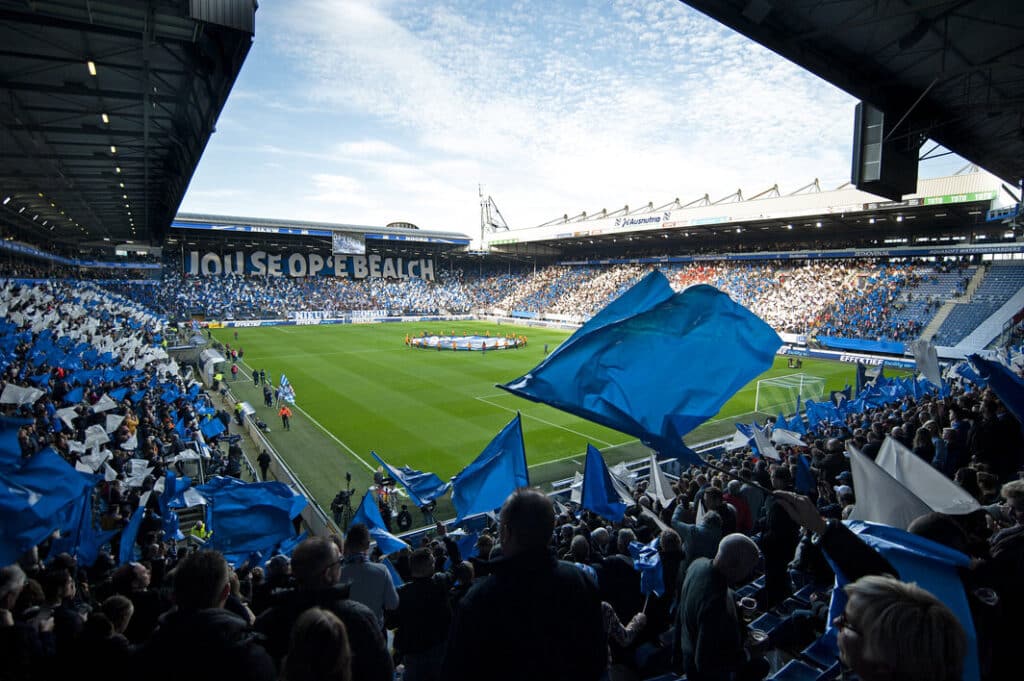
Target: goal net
782,392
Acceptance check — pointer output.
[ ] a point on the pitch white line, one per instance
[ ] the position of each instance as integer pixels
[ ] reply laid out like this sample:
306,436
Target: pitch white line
554,425
328,433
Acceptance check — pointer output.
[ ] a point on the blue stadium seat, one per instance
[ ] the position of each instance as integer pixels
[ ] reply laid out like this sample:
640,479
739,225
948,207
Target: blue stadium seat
795,670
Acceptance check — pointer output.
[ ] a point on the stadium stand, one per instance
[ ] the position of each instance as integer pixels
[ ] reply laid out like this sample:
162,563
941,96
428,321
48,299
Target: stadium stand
964,436
1001,282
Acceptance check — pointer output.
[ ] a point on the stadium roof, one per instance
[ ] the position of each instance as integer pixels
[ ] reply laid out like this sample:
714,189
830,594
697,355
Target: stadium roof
106,109
234,223
952,67
952,203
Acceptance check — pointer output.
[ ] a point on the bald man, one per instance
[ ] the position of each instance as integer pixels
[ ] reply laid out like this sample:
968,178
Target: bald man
710,634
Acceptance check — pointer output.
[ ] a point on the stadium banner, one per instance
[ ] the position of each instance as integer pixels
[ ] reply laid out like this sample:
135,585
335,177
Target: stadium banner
848,357
862,345
305,264
793,338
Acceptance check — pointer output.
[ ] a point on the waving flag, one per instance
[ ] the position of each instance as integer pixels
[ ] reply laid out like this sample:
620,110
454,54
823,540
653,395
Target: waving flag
647,561
1004,383
599,493
659,483
654,363
287,391
422,487
499,470
368,514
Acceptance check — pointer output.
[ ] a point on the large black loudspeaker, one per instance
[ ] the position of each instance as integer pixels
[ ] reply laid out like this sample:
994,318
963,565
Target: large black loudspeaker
882,167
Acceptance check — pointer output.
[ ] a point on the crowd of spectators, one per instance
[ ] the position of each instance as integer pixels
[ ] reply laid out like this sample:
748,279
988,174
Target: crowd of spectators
844,298
505,607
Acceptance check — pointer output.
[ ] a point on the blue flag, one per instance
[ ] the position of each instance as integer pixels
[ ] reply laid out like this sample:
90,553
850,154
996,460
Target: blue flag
38,497
212,427
614,370
932,566
499,470
599,495
395,577
1007,386
804,479
368,514
422,487
129,536
74,396
246,517
647,561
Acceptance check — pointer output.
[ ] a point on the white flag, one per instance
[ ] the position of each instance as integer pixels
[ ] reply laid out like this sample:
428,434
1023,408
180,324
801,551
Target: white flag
927,360
659,484
929,485
113,421
576,488
781,436
15,394
95,435
105,403
880,497
766,448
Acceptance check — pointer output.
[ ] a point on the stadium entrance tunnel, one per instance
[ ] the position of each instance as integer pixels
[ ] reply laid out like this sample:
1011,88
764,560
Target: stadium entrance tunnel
477,343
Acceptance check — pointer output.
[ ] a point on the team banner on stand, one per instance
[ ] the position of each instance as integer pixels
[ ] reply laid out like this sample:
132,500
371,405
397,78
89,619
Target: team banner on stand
305,264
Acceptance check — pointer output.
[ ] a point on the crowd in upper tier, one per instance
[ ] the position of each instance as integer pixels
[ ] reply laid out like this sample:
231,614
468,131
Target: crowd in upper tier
845,298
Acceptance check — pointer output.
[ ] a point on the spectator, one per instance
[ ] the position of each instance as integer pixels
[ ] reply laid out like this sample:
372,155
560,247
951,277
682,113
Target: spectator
224,643
316,567
319,649
371,582
710,636
545,613
422,619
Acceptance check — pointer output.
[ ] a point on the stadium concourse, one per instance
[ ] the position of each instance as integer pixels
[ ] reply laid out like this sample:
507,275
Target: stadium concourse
88,387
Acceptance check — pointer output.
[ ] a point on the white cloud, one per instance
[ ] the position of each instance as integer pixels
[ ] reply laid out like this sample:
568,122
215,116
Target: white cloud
391,107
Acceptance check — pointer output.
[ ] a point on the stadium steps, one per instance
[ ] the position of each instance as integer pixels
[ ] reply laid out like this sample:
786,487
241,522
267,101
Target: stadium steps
935,324
972,287
936,321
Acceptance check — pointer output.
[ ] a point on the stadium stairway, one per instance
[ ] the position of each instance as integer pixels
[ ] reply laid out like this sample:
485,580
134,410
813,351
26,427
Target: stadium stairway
935,323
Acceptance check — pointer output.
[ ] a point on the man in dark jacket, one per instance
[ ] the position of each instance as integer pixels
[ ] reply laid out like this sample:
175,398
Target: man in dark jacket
222,643
422,619
710,634
316,568
534,617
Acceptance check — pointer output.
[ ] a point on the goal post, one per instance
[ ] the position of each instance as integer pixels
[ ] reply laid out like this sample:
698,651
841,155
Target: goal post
782,393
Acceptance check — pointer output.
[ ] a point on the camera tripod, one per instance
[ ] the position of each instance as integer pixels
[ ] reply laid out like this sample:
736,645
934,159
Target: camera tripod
341,507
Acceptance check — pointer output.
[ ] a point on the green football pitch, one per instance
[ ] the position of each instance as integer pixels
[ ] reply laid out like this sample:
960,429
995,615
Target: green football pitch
360,388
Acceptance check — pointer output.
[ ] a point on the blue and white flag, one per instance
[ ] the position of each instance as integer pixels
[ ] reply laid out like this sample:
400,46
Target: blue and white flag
287,390
647,561
421,487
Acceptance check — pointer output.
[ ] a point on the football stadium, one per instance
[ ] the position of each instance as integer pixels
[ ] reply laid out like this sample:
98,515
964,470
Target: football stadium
765,433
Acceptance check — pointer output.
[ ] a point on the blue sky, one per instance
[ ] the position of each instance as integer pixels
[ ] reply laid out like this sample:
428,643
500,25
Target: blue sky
371,111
